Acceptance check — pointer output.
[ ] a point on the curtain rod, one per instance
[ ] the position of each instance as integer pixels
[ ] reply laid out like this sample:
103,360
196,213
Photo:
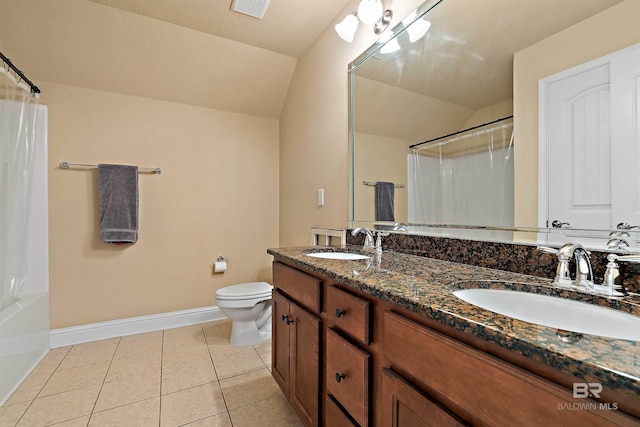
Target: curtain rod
67,165
34,88
460,131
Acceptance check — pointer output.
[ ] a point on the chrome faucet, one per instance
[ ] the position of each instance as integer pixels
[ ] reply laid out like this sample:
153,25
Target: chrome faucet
610,286
379,236
368,238
617,239
398,227
584,271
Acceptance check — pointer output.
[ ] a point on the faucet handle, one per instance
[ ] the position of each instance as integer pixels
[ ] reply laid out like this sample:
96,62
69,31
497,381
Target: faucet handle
562,278
609,286
634,259
548,250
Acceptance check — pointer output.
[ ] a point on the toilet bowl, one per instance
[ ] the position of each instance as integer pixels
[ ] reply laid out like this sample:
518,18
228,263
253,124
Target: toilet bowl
248,305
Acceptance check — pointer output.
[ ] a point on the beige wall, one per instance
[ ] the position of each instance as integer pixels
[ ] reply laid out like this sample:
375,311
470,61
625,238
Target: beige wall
611,30
313,132
387,110
379,158
217,195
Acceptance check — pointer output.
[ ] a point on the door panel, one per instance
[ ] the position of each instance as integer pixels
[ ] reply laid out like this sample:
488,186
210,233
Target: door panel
625,122
281,341
578,141
305,365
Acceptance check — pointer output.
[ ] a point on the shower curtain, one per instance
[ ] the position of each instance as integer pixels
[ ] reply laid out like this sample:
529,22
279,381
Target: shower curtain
17,129
465,180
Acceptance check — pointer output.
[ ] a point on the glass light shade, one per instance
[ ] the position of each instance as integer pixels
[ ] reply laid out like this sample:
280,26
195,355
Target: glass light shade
346,29
391,46
418,29
369,11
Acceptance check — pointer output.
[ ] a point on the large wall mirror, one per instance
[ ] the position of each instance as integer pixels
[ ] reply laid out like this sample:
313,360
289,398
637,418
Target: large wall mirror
444,118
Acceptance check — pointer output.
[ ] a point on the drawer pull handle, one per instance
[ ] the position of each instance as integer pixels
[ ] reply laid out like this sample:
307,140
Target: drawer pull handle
340,312
285,318
339,377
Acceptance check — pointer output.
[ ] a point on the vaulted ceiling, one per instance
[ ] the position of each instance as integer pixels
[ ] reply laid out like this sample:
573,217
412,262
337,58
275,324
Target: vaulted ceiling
196,52
289,27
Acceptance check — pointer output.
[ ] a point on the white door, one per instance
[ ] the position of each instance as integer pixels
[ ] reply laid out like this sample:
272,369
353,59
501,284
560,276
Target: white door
625,135
591,128
578,144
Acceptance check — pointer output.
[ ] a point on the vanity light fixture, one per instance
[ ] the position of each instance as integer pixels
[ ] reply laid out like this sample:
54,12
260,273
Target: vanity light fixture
370,12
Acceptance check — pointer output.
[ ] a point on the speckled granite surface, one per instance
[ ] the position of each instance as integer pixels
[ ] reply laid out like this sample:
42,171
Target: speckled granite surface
426,286
518,258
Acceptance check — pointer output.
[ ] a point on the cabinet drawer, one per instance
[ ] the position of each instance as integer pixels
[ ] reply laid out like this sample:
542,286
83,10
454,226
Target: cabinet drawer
348,376
349,313
334,416
299,286
483,388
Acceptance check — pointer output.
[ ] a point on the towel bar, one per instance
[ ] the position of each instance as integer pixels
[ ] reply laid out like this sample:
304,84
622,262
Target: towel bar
67,165
373,183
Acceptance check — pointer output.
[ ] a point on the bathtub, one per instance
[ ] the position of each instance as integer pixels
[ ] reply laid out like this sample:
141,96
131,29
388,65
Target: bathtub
24,325
24,340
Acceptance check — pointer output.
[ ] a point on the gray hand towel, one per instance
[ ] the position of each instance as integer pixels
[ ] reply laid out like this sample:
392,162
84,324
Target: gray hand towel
384,201
118,192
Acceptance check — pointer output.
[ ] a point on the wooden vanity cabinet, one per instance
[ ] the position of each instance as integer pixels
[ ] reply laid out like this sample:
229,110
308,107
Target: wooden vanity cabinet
476,386
378,364
296,344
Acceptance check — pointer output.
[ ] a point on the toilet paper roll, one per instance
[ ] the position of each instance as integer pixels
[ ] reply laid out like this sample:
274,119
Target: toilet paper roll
220,267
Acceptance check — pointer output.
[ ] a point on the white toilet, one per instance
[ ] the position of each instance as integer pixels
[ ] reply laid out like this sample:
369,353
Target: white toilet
248,305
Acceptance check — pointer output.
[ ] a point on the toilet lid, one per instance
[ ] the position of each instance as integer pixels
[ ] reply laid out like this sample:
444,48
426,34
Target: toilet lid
245,290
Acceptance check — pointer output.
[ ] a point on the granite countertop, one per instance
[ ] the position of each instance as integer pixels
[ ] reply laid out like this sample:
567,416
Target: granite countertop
426,287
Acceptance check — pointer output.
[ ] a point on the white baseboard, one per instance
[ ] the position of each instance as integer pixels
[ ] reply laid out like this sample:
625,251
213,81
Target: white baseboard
134,325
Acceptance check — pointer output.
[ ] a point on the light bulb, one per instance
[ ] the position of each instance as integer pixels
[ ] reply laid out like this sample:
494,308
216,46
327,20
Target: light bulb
418,29
347,28
391,46
369,11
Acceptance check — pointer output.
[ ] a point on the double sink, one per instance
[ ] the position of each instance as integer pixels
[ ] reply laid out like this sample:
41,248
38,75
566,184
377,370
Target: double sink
564,314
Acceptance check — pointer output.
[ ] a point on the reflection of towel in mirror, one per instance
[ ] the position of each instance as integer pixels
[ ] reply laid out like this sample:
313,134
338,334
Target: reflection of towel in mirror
118,193
384,201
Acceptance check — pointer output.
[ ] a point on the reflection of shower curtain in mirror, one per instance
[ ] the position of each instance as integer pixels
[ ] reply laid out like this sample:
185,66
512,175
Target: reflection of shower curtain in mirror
465,180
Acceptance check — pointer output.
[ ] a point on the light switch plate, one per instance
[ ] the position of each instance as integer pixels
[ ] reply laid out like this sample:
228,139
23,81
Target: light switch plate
321,197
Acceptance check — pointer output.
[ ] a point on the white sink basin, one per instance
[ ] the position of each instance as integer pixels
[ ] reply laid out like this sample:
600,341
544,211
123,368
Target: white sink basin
560,313
337,255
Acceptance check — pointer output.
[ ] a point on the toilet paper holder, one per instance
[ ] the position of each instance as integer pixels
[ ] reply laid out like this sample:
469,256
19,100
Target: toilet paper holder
220,259
221,264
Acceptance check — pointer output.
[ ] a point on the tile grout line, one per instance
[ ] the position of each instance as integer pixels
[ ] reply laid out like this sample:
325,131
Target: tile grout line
226,407
42,388
103,381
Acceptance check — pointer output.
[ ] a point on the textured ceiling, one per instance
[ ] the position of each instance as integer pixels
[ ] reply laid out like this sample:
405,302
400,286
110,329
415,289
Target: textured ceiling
289,27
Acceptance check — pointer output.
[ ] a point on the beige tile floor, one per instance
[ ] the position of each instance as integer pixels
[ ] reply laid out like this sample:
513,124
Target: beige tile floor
185,376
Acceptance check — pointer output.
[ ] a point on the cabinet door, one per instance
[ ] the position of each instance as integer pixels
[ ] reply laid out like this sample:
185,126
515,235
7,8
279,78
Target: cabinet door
280,349
305,365
405,406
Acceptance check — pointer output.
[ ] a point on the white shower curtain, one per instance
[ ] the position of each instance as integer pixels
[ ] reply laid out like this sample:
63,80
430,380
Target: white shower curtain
466,180
17,129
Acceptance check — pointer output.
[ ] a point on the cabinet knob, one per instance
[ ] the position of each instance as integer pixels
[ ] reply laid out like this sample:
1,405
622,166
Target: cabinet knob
285,318
339,377
340,312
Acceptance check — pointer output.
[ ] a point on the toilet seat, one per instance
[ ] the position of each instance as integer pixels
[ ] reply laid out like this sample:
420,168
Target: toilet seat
245,291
